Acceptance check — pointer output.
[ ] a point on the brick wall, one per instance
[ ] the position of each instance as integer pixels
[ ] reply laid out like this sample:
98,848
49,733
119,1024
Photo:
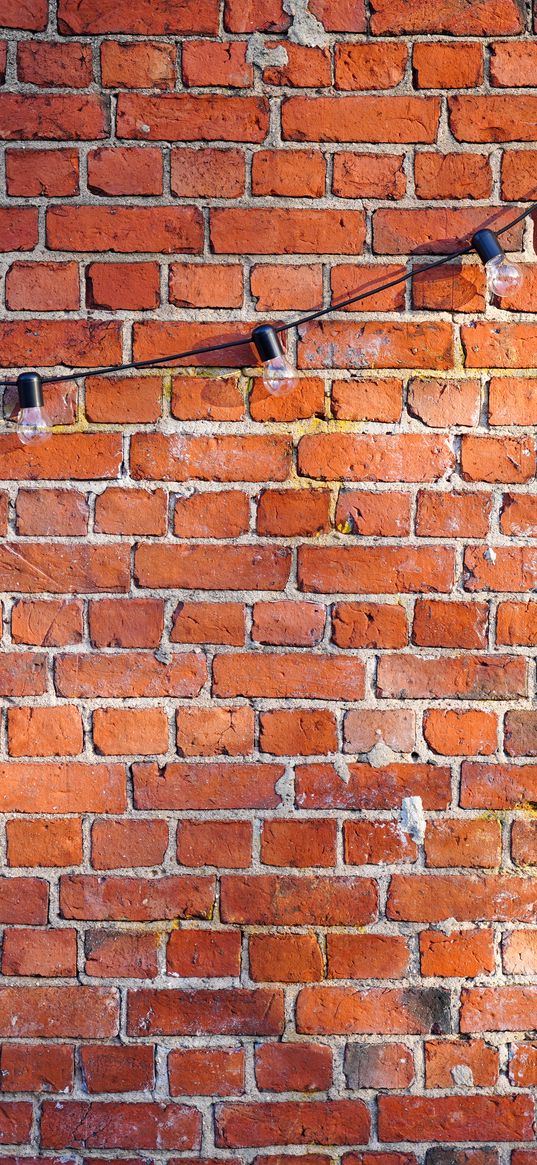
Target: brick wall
239,630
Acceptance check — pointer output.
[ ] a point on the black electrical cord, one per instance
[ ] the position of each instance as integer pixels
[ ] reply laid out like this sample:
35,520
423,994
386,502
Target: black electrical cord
293,324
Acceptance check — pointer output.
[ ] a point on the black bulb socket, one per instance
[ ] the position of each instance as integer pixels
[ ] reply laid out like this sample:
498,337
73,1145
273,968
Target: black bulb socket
267,343
486,244
30,390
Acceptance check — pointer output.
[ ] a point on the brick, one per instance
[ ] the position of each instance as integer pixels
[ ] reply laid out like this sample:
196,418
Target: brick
70,787
305,68
379,1010
296,1067
55,116
206,1071
340,15
208,623
305,676
378,1066
206,285
523,1066
413,345
452,175
212,515
286,232
369,625
46,343
499,117
391,458
350,280
142,65
83,16
300,844
42,287
519,952
219,458
37,1067
293,513
55,66
512,65
478,677
449,16
202,398
195,786
435,230
369,66
102,1125
295,1122
80,456
517,624
57,1012
117,731
50,953
208,173
284,287
285,958
451,288
383,570
377,515
360,119
212,567
123,170
367,176
215,731
284,899
113,1069
159,339
126,623
517,173
209,63
40,842
457,954
112,898
133,511
81,568
443,403
497,459
466,898
52,512
203,953
487,346
131,228
371,843
181,117
522,397
215,843
457,733
287,623
497,786
129,675
52,623
304,732
472,843
454,1118
252,17
116,844
51,172
288,174
447,66
44,731
513,569
371,956
15,1123
367,400
321,787
497,1008
124,287
31,14
456,514
18,227
524,843
225,1011
440,623
115,954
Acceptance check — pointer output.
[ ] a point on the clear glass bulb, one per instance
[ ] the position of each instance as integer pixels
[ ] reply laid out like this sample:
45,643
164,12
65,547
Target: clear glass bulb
279,377
33,426
502,276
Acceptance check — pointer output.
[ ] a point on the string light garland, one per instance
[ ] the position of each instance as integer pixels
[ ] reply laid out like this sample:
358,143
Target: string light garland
33,424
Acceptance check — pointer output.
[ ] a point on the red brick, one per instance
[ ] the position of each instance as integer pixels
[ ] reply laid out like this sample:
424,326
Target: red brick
512,569
304,732
376,515
292,899
391,457
116,844
212,567
118,731
284,287
101,1125
496,118
493,459
367,400
497,786
37,1067
304,676
49,953
132,228
116,954
447,66
367,176
453,515
122,170
517,172
226,1011
15,1123
294,1122
457,842
69,787
293,1067
348,281
88,897
285,958
81,568
443,403
113,1069
206,1071
524,843
450,624
498,1009
253,16
124,287
447,16
288,174
450,288
47,343
319,786
455,1118
208,173
452,175
203,953
57,117
477,677
210,63
215,731
31,14
159,339
219,458
367,956
181,117
370,66
42,287
523,1067
457,953
142,65
67,65
287,623
212,515
195,786
460,733
206,285
378,1066
202,398
379,1010
40,842
44,731
488,346
126,622
512,401
382,570
369,625
286,232
305,68
208,623
30,173
467,898
74,1012
56,512
517,624
18,227
519,955
129,675
293,513
340,15
433,230
370,843
360,119
215,843
300,844
147,17
132,511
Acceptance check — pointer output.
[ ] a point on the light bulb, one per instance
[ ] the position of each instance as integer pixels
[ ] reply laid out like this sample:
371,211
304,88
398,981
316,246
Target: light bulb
502,276
279,377
33,424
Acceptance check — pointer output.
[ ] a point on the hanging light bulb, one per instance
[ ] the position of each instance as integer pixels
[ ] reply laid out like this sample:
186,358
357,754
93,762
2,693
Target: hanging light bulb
502,276
279,377
33,424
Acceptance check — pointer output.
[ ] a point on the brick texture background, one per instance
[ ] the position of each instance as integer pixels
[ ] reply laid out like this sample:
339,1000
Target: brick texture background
239,630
